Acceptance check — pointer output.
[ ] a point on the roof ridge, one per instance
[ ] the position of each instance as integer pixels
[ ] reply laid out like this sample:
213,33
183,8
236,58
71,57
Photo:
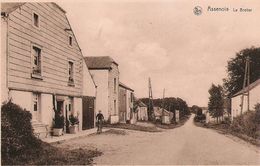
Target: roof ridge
250,86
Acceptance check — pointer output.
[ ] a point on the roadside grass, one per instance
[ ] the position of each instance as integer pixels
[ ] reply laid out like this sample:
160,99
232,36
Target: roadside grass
153,127
133,127
50,155
225,129
19,146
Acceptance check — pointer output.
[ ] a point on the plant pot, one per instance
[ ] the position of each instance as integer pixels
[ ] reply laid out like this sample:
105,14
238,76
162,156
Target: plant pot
57,131
74,129
132,121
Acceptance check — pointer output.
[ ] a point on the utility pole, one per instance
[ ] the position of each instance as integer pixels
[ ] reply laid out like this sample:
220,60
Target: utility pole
246,83
163,102
150,107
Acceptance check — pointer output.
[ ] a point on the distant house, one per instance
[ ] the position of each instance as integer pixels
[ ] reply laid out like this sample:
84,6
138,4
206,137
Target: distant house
142,113
254,98
104,70
204,110
126,100
42,66
158,112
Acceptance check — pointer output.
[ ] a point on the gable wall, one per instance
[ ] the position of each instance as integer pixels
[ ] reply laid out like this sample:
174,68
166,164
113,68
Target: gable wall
113,95
56,51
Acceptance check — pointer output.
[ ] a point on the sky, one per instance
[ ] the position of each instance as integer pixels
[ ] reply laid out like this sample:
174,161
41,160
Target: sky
164,40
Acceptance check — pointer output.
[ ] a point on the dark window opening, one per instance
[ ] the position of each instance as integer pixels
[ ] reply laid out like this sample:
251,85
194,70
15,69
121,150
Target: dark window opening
70,41
35,20
36,60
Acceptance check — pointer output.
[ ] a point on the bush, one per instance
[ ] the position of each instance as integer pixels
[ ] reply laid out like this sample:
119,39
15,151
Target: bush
17,132
248,123
200,118
58,121
73,120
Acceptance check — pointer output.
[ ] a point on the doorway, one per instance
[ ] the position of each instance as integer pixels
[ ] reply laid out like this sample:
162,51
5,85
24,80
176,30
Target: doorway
88,112
60,109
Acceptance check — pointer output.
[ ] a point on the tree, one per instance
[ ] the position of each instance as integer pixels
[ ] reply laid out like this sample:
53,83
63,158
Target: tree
196,110
171,104
236,70
216,101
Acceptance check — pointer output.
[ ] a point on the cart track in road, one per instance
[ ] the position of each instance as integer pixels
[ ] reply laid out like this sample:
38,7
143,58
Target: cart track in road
187,144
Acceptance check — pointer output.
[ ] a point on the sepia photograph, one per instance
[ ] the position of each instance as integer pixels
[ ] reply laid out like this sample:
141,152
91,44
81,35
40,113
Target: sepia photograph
130,82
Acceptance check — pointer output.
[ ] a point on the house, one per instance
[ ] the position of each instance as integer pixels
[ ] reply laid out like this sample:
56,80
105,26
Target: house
204,110
42,66
104,71
126,103
159,113
142,113
254,98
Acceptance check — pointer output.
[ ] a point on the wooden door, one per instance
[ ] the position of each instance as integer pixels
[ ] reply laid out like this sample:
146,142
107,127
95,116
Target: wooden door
88,104
122,105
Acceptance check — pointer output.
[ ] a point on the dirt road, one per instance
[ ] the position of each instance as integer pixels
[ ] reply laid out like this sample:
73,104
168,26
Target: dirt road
188,144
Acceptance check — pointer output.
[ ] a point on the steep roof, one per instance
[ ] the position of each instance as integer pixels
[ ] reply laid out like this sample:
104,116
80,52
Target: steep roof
124,86
250,87
11,6
141,104
158,111
99,62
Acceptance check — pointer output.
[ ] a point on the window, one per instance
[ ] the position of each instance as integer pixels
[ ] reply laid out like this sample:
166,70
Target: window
69,107
70,40
36,20
35,102
70,104
115,85
71,79
115,106
36,53
132,97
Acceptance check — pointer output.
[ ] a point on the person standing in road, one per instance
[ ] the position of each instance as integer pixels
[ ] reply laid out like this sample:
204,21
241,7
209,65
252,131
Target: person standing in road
99,119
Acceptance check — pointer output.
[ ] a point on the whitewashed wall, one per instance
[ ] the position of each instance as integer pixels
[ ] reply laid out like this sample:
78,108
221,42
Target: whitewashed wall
89,88
4,89
236,101
47,112
23,99
101,79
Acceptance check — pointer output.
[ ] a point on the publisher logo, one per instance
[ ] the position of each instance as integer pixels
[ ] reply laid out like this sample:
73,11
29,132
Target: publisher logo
197,10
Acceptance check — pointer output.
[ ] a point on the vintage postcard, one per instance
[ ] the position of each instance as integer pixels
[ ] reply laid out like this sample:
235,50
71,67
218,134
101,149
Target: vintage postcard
130,82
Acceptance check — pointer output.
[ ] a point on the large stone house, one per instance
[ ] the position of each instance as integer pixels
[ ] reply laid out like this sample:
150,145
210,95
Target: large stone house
254,98
126,104
104,70
42,66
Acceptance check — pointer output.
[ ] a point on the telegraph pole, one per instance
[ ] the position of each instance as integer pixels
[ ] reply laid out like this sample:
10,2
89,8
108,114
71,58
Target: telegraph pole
246,83
151,110
163,102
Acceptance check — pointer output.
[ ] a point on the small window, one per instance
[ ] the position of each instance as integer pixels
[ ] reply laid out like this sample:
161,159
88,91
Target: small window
69,107
36,70
71,79
35,102
132,97
36,20
115,85
115,106
70,40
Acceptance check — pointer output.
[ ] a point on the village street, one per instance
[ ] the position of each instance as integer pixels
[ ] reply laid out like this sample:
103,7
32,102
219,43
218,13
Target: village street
188,144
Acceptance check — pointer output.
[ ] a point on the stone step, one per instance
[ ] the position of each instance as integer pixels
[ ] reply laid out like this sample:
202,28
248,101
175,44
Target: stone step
40,130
